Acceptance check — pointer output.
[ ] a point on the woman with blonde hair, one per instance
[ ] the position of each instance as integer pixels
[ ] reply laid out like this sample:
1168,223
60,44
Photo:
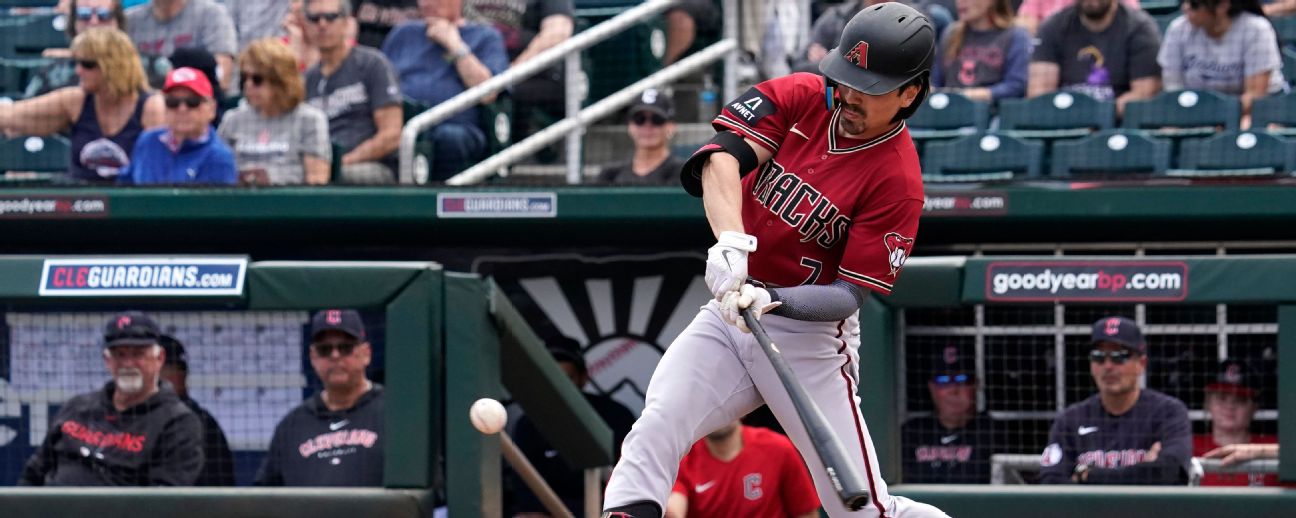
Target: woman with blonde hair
104,115
983,55
277,139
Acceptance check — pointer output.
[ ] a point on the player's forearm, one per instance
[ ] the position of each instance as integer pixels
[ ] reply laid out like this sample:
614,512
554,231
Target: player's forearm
818,303
722,194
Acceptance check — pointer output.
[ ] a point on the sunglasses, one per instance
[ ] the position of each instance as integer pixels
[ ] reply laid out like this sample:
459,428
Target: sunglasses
326,349
86,14
256,79
641,118
188,101
1116,357
945,379
329,17
88,64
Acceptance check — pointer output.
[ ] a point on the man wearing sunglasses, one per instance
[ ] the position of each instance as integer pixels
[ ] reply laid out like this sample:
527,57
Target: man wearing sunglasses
651,127
186,150
335,438
1124,434
134,431
953,446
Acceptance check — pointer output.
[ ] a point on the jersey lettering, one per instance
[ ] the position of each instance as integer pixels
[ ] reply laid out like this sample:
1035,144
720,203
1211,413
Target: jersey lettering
816,268
784,194
1110,459
752,486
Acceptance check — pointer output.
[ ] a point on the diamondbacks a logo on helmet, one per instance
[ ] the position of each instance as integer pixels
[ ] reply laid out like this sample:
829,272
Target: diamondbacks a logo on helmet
858,55
898,248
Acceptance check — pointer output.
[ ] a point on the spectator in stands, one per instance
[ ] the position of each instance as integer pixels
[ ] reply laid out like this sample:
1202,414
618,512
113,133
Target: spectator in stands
162,26
1031,13
438,58
1098,47
186,150
1239,453
684,22
257,19
378,17
276,137
530,27
85,15
1124,434
566,482
651,126
742,471
218,460
954,445
336,437
983,56
199,59
1231,402
1278,8
1223,45
297,36
103,116
827,29
356,87
132,432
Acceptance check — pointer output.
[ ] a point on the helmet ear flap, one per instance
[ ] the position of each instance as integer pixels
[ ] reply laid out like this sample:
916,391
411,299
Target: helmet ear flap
830,93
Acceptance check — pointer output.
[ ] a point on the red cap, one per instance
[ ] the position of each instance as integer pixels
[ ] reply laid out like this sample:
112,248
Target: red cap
191,78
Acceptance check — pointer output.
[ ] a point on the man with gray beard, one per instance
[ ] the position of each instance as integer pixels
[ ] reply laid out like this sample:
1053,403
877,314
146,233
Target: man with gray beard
133,432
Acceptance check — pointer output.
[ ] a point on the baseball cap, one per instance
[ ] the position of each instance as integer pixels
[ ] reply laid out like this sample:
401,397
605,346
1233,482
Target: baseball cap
656,101
953,366
175,352
130,328
565,349
344,320
191,78
1120,331
1235,377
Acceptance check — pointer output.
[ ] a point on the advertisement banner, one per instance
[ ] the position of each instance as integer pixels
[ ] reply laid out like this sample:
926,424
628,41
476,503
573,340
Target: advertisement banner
1086,281
143,276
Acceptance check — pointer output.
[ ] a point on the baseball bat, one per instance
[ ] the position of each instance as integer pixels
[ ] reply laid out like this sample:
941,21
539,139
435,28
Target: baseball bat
850,486
532,478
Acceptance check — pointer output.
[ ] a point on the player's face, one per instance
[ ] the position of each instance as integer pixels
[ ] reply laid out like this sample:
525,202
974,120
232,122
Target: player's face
1115,378
1230,412
134,367
953,399
339,359
866,116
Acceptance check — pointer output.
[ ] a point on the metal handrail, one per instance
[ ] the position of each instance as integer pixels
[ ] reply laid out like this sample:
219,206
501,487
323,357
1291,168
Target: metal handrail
594,112
1001,464
543,61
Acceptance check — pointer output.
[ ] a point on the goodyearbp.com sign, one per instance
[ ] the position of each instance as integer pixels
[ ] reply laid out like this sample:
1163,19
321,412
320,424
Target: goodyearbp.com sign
1141,281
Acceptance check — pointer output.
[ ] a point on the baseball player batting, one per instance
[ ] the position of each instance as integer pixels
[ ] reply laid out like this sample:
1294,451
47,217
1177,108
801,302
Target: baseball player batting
813,190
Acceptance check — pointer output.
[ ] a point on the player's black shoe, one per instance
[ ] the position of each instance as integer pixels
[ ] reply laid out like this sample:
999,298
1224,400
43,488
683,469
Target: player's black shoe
636,510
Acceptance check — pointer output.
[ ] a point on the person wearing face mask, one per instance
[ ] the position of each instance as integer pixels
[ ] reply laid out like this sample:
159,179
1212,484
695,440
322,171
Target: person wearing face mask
134,431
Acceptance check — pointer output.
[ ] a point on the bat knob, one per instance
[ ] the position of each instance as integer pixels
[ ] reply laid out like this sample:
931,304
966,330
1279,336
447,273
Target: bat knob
856,501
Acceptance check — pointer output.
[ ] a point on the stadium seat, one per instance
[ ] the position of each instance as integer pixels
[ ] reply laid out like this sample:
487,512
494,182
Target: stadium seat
1110,152
1160,6
982,157
27,36
1285,26
1236,153
619,61
495,119
945,115
1055,115
1289,65
1275,114
34,154
1184,113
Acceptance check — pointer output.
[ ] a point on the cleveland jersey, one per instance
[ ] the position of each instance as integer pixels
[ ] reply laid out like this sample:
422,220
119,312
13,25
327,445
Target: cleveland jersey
1115,448
825,206
933,454
766,479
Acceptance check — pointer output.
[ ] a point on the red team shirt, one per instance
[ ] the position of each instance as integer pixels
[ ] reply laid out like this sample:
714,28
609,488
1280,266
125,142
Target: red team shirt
824,207
766,479
1203,443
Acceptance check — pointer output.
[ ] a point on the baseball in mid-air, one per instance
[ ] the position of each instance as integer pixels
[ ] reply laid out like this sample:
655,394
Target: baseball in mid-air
488,416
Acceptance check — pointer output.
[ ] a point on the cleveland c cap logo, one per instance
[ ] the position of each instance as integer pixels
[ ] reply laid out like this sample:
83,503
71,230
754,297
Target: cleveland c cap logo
858,55
123,322
333,317
1113,326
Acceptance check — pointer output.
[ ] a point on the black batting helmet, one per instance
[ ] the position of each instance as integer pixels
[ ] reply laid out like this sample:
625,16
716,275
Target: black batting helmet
882,48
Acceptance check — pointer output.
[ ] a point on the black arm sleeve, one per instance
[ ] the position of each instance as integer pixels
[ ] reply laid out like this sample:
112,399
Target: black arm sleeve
818,302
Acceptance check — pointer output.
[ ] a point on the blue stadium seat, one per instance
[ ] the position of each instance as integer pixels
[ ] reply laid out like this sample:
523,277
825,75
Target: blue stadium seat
1275,114
1111,152
1285,26
945,115
26,36
1159,6
1055,115
982,157
1236,153
1184,113
36,154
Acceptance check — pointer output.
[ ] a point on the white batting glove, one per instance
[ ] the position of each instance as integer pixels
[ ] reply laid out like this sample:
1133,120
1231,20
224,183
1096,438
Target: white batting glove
733,302
726,266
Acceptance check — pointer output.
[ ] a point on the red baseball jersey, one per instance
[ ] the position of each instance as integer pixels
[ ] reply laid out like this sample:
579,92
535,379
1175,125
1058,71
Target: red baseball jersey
1203,443
825,206
766,479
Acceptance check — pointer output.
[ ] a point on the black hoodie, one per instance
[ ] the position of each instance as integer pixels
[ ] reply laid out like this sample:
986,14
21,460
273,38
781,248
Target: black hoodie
155,443
314,446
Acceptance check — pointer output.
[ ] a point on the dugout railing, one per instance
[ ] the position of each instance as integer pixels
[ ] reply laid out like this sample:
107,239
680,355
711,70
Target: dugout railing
444,334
